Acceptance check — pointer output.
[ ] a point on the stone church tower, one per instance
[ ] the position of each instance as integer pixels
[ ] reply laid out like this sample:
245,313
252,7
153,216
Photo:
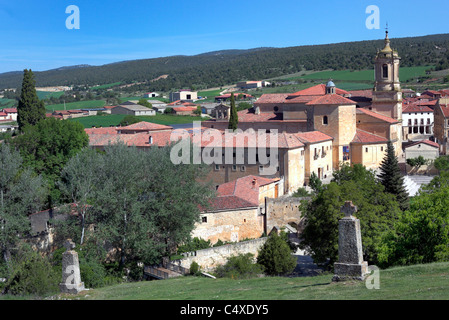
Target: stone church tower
387,93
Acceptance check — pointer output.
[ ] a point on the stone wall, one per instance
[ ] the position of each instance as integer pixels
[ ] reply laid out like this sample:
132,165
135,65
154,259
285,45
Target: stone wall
282,211
209,259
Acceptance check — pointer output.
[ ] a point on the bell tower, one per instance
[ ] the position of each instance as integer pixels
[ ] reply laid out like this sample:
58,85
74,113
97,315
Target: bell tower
387,94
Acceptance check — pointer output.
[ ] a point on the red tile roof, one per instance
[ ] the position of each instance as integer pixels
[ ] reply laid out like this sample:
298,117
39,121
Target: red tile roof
445,110
272,98
184,109
331,99
317,90
361,93
428,142
10,110
365,137
240,193
376,115
409,108
144,126
312,137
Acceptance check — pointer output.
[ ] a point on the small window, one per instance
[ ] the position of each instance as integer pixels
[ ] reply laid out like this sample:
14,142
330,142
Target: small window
366,149
204,219
242,168
385,71
381,148
217,167
325,120
234,167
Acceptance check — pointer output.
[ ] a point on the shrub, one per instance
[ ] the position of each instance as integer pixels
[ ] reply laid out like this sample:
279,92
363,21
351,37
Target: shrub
275,256
31,274
241,266
193,245
194,268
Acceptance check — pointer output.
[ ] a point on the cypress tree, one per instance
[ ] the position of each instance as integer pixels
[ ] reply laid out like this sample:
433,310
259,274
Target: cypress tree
233,117
30,109
391,178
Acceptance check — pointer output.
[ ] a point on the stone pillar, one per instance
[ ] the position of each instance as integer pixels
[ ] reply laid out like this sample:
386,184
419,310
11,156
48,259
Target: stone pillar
71,277
350,263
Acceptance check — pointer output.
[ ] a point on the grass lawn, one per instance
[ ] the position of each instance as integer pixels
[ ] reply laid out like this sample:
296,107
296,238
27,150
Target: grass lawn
7,103
46,95
419,282
114,120
77,105
106,86
211,94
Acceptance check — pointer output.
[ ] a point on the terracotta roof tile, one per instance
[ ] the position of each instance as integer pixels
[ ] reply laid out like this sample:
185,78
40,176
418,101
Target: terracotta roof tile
376,115
367,137
428,142
317,90
331,99
409,108
240,193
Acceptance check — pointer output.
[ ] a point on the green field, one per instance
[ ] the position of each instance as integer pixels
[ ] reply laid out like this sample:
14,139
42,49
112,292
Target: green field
114,120
77,105
106,86
7,103
419,282
42,95
210,94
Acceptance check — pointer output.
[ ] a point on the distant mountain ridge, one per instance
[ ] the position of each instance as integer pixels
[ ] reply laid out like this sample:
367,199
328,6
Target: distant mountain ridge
219,68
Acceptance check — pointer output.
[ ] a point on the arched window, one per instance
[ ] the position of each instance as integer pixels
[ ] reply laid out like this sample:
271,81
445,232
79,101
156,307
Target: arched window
385,71
325,120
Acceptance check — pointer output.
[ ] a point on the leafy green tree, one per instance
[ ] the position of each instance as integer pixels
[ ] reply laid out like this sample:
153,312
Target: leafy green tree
145,210
145,103
276,256
422,233
21,193
30,109
233,117
377,211
79,180
391,178
315,182
442,163
128,120
47,146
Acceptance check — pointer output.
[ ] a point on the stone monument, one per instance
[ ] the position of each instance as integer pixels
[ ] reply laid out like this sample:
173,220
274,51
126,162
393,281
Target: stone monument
71,278
350,265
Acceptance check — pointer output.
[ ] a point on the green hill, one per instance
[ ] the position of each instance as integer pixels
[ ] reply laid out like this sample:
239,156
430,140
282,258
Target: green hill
418,282
230,66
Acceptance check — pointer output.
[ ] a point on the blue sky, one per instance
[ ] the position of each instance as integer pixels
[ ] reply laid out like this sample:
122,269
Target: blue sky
34,33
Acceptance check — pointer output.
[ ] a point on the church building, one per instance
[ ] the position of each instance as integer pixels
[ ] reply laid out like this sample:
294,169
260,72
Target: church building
360,133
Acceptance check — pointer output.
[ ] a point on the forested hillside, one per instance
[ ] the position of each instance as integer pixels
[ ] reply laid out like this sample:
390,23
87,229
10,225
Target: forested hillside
229,66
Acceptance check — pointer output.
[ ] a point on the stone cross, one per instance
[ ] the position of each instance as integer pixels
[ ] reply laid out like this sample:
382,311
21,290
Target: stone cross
350,263
69,245
348,209
71,277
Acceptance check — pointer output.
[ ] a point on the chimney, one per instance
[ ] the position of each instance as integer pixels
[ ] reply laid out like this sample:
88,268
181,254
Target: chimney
254,182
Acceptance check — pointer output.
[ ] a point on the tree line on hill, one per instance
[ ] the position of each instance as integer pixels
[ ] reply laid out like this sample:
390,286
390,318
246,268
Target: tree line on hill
227,67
